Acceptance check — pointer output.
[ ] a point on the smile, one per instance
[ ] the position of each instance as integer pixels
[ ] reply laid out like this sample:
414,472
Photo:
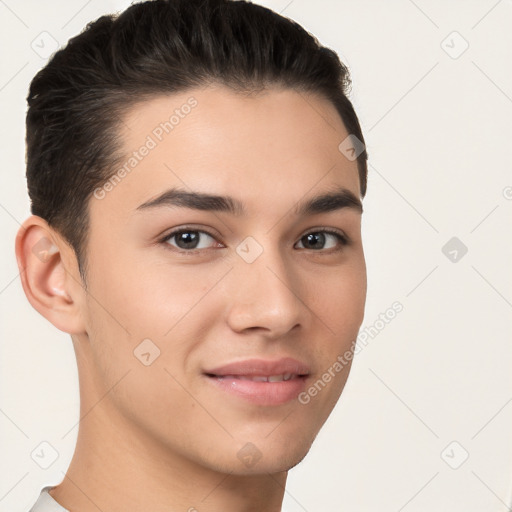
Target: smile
260,378
261,382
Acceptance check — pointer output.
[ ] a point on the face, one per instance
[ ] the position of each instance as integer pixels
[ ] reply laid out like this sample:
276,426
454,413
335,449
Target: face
219,322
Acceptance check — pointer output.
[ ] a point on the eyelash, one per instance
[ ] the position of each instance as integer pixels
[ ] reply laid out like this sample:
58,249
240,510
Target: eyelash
341,237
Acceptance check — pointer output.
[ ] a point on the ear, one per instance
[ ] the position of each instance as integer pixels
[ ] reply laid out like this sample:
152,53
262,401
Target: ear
49,275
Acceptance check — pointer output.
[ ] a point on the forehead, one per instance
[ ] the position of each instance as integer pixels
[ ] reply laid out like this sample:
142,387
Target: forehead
275,145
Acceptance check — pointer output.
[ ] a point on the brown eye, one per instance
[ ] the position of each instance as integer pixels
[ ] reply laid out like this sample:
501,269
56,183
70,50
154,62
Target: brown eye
188,239
317,240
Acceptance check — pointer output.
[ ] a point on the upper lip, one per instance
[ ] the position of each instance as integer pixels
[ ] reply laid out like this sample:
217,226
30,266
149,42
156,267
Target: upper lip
261,367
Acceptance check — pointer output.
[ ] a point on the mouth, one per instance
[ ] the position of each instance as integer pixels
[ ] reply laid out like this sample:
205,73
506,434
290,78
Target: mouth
259,378
261,382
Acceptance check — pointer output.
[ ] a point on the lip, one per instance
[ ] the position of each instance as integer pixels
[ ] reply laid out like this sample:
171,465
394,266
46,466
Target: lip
236,378
252,367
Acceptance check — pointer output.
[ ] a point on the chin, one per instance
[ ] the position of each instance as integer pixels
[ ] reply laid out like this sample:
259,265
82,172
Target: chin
270,457
279,464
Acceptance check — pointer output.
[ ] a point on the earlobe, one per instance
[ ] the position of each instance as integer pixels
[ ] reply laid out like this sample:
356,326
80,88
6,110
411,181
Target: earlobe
46,280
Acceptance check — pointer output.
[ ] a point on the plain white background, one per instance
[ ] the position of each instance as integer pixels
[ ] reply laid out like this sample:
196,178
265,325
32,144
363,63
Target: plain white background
424,422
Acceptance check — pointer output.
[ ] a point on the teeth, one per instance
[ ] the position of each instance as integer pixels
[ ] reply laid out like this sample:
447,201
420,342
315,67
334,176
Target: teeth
261,378
257,378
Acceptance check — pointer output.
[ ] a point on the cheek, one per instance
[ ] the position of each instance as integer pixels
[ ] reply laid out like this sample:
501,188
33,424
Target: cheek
338,300
339,306
150,296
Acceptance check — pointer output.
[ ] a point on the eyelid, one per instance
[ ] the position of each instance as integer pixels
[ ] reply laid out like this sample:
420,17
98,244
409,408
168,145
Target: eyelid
329,230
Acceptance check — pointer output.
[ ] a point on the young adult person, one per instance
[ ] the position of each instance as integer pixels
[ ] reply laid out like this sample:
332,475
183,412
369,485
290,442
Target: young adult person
196,172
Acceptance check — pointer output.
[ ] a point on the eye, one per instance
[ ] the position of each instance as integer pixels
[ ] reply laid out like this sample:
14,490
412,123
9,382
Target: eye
317,240
188,240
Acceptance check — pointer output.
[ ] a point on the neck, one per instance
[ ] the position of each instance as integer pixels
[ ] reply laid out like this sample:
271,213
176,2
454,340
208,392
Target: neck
117,466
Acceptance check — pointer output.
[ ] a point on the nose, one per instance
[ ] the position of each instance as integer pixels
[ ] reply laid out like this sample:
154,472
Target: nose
265,295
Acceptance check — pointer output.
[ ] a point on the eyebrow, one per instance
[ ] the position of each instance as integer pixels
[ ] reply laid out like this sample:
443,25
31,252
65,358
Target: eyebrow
337,199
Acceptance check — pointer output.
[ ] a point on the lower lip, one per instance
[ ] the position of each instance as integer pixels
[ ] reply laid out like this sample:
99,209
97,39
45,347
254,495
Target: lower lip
261,393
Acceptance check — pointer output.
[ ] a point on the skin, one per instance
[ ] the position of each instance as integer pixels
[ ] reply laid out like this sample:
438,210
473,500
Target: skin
161,437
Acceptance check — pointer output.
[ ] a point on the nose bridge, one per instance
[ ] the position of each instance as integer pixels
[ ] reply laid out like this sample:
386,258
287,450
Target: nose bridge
267,292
